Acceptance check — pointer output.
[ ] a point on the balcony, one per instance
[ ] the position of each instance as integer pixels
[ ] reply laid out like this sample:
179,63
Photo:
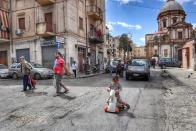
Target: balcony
96,37
44,29
94,12
3,40
45,2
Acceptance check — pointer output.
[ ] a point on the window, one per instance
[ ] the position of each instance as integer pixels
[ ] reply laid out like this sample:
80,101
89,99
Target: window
155,52
21,22
174,20
48,20
165,52
164,23
179,35
81,23
81,1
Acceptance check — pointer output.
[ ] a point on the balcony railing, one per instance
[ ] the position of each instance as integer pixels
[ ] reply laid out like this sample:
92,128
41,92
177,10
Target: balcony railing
45,2
44,29
4,26
94,12
96,36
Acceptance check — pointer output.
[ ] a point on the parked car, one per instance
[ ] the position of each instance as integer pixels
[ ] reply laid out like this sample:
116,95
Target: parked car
38,71
169,62
138,68
113,63
3,71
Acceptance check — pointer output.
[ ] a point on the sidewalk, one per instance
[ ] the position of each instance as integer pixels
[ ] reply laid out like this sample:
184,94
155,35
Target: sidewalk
82,75
181,75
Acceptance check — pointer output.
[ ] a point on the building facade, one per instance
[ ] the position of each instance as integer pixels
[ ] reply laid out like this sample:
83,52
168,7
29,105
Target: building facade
173,32
139,52
4,33
74,27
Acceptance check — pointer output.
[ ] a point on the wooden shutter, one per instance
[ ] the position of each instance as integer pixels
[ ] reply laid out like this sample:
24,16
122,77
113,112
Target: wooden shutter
48,20
80,23
21,22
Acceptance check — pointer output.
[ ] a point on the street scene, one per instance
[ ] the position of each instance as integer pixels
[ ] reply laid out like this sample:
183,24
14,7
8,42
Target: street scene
97,65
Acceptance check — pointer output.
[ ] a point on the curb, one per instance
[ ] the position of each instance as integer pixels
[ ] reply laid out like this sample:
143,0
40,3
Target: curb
85,76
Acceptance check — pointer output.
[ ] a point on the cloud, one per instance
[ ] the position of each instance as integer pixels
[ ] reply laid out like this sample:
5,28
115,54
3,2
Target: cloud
126,25
111,28
182,1
194,25
142,39
128,1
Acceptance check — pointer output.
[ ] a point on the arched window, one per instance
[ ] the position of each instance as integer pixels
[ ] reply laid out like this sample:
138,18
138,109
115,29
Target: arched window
174,20
164,23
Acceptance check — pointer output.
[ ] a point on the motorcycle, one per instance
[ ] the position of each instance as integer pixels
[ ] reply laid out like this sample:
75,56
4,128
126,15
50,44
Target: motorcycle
113,106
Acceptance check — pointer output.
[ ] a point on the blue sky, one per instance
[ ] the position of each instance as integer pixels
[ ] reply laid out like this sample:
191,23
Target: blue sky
139,17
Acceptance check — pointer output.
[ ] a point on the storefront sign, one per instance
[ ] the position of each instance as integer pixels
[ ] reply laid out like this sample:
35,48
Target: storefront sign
60,39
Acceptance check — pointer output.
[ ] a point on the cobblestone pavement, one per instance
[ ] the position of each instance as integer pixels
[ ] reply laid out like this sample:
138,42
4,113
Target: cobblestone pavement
180,101
152,106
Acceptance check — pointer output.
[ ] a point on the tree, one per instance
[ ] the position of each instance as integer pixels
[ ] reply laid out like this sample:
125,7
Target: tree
125,44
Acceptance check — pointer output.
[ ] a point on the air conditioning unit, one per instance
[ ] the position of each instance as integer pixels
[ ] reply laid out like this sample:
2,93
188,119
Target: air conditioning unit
19,31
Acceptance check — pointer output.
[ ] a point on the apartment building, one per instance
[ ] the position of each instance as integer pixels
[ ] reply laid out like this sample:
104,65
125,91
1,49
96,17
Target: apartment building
4,33
41,27
139,52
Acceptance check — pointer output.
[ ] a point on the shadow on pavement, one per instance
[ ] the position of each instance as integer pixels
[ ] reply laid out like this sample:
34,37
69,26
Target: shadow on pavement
126,113
64,96
32,93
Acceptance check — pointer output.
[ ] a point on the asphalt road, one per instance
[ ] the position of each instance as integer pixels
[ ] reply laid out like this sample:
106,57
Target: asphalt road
82,108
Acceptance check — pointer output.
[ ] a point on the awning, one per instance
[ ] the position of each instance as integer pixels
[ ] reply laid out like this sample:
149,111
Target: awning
4,25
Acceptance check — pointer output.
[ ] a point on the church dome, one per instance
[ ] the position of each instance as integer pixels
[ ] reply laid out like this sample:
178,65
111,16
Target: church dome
171,5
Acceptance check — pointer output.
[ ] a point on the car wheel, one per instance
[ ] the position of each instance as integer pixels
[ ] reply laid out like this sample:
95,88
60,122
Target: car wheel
14,76
37,76
127,77
163,67
148,77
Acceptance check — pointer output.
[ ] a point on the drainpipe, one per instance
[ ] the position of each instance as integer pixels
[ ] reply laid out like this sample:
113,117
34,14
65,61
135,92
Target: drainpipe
195,52
10,26
87,66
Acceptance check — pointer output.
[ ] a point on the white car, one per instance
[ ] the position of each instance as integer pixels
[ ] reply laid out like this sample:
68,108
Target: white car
3,71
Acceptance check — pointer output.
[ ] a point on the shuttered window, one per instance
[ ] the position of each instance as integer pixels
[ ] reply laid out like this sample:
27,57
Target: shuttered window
48,20
81,23
21,22
179,35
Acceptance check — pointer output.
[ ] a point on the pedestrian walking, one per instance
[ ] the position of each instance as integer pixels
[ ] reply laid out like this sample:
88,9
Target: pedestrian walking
25,71
58,69
110,70
74,68
118,69
153,62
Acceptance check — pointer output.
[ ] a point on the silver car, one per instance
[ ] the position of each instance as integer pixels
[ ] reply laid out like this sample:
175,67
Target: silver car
138,68
3,71
37,71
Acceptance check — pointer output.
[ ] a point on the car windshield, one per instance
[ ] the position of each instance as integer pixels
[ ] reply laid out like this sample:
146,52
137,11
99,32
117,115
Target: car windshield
35,65
14,65
115,63
138,63
166,60
3,67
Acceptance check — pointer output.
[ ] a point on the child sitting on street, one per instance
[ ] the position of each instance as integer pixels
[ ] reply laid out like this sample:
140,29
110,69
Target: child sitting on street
115,85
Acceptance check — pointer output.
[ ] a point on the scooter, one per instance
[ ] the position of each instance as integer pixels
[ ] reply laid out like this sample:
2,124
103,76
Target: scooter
113,106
